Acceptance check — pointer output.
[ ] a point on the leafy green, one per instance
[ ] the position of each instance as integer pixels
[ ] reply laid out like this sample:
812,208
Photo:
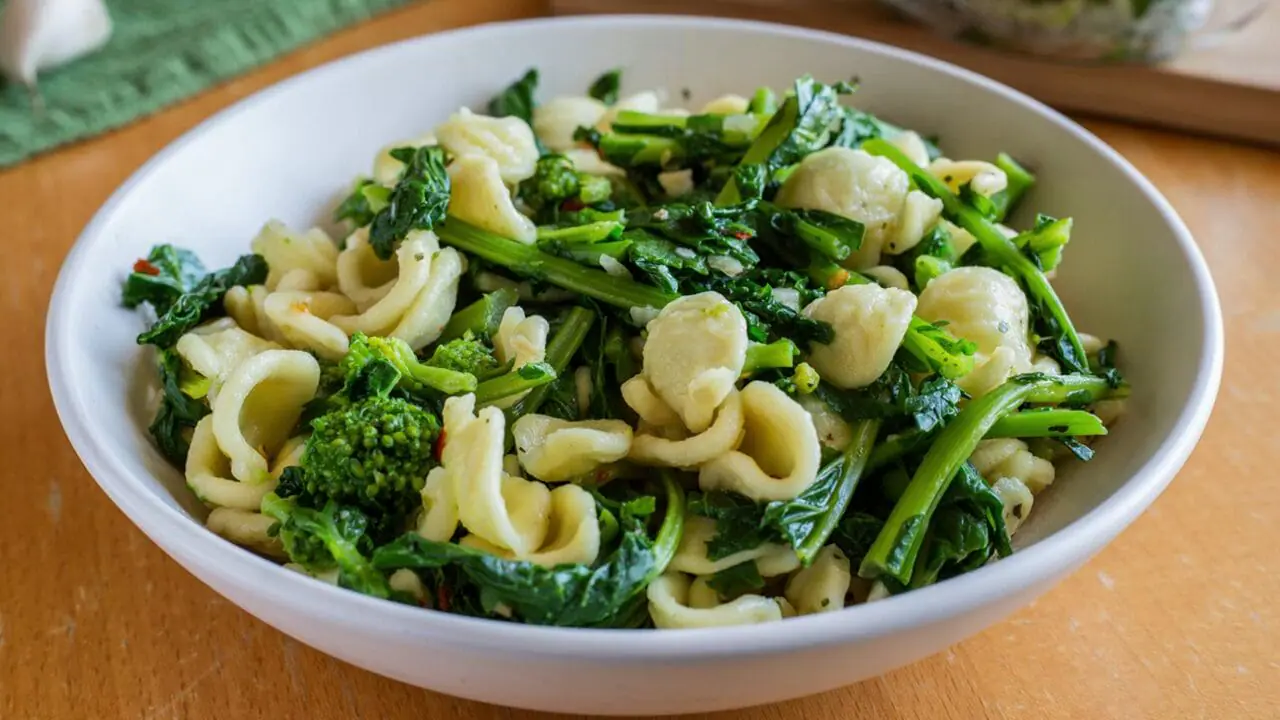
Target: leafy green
855,533
417,202
605,87
577,595
736,581
325,538
178,413
356,208
165,275
517,100
202,301
928,404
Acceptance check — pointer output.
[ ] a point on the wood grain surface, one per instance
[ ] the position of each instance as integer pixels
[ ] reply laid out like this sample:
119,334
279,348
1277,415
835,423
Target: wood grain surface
1176,619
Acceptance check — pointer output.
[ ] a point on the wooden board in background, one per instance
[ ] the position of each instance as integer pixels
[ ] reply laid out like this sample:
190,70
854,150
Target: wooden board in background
1232,91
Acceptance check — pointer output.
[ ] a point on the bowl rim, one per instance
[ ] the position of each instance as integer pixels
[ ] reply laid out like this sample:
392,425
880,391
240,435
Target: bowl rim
188,542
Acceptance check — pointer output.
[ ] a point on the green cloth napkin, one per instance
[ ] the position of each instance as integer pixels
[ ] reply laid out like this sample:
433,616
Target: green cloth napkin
162,51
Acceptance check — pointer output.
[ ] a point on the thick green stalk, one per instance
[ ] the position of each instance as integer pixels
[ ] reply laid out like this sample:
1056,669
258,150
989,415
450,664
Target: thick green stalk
481,317
993,242
778,354
853,467
1047,422
527,377
895,549
530,262
773,135
560,350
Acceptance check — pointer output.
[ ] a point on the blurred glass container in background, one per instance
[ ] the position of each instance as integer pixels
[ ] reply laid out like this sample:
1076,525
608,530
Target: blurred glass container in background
1144,31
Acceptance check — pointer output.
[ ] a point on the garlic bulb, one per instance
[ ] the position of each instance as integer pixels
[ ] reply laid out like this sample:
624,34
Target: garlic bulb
37,35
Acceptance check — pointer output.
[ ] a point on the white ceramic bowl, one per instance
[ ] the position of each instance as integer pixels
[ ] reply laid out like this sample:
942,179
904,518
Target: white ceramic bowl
1132,273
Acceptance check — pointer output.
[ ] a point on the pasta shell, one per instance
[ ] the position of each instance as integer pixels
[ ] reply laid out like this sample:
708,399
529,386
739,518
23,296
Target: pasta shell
555,450
507,140
425,319
285,250
208,474
480,198
247,528
386,169
981,176
869,324
362,275
823,585
779,455
727,105
572,532
720,438
1010,458
911,145
259,406
556,120
214,354
853,184
414,260
669,607
302,320
694,355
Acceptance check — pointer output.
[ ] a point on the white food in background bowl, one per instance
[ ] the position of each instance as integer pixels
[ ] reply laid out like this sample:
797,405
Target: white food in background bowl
284,138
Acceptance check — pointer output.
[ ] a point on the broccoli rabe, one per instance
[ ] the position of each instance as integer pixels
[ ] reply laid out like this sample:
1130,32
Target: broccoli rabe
325,539
416,378
466,355
198,302
557,186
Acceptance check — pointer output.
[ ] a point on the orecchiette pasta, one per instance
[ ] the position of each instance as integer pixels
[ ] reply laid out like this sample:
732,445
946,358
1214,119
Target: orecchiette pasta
1017,499
216,349
779,454
258,407
363,276
208,474
833,431
694,354
982,177
247,306
245,527
480,198
386,169
911,145
556,120
771,559
919,213
425,319
508,141
987,307
413,258
1010,458
521,338
720,438
822,586
888,276
869,323
653,412
439,518
555,450
407,581
669,607
572,531
727,105
285,250
587,160
302,320
853,184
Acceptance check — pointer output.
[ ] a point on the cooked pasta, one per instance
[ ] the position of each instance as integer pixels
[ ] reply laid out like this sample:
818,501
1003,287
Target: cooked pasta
600,362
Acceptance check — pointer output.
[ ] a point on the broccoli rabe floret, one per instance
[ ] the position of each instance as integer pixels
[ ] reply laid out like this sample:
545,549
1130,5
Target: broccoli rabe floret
416,378
373,454
465,355
555,181
325,539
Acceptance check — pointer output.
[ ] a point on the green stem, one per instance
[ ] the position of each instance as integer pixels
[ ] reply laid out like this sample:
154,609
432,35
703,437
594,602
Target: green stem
895,549
1000,248
667,541
853,467
481,317
560,350
762,148
526,377
530,262
1047,422
1075,389
778,354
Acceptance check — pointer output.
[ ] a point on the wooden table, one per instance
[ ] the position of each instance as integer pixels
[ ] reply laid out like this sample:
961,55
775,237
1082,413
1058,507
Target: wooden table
1176,619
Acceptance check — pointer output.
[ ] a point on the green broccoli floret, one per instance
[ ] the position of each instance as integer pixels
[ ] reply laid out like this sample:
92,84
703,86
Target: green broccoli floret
325,539
416,378
556,180
373,454
465,355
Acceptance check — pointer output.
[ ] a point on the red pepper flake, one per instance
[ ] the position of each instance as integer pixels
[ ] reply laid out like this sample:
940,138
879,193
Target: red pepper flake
742,234
440,443
602,475
146,268
573,204
442,598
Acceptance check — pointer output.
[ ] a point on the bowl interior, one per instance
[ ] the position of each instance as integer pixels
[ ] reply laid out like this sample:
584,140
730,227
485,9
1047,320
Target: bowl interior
290,152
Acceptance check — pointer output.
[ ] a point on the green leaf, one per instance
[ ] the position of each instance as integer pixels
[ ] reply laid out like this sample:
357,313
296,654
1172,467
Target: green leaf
517,100
736,581
418,201
165,275
203,301
178,413
605,87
